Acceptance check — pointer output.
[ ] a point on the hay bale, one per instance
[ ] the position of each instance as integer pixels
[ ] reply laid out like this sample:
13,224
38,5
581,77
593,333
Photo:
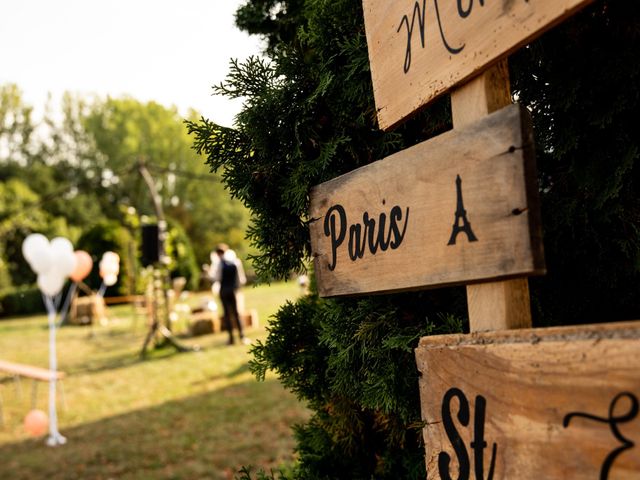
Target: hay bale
249,319
203,322
87,310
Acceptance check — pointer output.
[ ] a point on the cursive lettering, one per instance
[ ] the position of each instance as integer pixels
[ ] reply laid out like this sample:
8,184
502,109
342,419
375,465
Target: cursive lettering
372,235
464,8
395,218
330,230
612,420
418,13
449,48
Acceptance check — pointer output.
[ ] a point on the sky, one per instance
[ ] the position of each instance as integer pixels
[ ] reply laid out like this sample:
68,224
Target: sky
171,52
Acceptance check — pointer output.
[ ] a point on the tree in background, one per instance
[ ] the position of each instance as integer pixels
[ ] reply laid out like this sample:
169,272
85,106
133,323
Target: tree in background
67,176
183,261
16,126
125,131
309,116
22,212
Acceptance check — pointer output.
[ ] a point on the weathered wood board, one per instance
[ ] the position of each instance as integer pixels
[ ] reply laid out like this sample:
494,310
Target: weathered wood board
418,49
458,208
533,404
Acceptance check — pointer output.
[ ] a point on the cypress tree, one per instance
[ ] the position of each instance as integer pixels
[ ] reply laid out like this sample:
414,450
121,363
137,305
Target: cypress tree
309,116
580,81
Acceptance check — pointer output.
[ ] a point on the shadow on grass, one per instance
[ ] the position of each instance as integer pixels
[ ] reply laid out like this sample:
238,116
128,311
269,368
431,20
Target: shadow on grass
234,373
130,357
126,359
210,436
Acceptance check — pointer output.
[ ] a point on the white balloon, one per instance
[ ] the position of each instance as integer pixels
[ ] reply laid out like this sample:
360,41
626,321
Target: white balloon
50,283
37,250
32,243
108,268
64,262
110,280
111,257
61,244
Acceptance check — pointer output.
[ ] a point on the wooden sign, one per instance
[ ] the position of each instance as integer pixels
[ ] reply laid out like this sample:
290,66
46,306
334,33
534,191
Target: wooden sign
532,404
418,49
458,208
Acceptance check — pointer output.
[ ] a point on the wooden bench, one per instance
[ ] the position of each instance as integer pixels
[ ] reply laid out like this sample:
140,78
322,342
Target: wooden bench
124,299
37,374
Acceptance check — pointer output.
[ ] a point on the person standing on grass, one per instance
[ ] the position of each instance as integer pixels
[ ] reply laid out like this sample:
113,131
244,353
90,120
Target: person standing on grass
229,277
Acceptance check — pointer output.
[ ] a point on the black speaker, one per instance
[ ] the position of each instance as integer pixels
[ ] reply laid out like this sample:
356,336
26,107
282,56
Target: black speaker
150,245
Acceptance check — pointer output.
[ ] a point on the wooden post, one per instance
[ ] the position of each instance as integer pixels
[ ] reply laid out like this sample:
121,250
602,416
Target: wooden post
492,305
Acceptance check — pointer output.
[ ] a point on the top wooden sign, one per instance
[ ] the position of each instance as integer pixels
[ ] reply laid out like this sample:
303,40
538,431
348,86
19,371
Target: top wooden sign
419,49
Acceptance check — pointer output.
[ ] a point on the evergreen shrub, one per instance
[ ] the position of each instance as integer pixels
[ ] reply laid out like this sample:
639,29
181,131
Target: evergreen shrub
23,300
309,116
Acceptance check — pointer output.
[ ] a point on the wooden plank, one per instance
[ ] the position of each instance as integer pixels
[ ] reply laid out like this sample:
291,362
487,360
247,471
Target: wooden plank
485,93
535,403
419,49
503,304
123,299
29,371
499,305
423,195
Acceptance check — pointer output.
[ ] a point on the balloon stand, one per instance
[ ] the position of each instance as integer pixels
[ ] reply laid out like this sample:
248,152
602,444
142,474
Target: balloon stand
102,289
54,261
55,438
67,303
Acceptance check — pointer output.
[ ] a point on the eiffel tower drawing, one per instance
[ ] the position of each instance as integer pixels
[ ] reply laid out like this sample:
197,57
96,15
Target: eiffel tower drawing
461,216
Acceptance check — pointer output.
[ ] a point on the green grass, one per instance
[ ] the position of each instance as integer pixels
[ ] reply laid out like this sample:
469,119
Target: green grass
192,415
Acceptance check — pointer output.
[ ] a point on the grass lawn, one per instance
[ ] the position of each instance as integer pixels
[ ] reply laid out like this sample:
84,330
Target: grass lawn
196,415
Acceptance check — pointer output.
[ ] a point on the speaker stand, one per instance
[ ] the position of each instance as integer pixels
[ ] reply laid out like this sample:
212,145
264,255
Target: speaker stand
160,300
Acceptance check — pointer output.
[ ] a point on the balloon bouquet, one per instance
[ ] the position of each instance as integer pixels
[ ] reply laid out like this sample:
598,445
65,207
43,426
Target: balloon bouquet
109,270
53,262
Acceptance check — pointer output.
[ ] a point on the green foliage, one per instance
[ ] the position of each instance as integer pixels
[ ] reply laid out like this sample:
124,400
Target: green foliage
124,131
274,19
111,236
34,188
183,261
309,116
580,80
245,473
24,300
5,277
21,213
16,125
300,127
352,361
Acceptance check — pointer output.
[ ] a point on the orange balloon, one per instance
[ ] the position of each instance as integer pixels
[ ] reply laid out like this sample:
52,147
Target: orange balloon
36,423
84,264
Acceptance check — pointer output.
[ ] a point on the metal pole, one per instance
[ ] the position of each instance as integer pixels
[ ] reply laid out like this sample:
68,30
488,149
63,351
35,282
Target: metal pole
162,231
162,236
